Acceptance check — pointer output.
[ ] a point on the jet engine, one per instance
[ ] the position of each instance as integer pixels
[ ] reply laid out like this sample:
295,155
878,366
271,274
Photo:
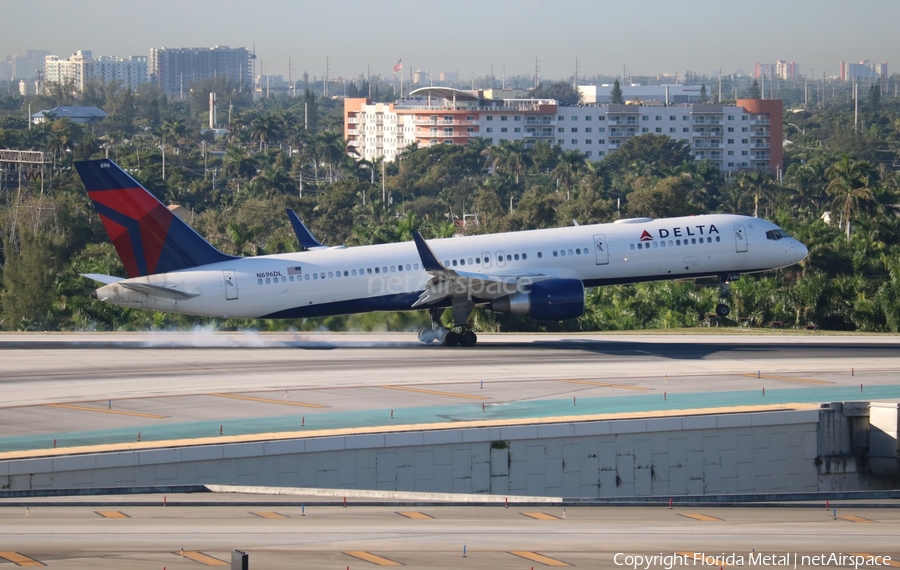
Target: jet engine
550,300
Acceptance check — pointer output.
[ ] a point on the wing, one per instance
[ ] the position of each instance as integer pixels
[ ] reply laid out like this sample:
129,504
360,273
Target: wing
447,282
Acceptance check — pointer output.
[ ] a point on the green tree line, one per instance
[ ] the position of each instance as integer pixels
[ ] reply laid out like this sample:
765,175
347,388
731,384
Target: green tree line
290,153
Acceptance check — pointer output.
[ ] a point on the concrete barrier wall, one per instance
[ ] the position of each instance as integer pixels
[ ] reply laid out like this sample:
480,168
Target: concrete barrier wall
729,453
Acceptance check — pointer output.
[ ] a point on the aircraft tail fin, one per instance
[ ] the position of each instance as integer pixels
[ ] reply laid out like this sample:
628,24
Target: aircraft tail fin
148,237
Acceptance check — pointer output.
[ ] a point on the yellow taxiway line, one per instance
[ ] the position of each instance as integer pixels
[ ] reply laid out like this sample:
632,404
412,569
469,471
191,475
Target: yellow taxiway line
112,514
268,515
106,411
414,515
20,559
435,392
203,558
268,400
788,379
539,558
699,517
541,516
603,384
373,558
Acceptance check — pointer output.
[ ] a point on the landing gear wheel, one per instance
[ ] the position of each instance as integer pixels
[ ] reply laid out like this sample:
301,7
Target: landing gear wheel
467,338
451,338
426,335
723,310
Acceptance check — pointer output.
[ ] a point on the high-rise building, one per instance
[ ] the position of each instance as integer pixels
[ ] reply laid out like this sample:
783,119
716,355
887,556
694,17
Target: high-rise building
863,70
781,69
786,69
28,66
175,69
746,135
81,68
766,70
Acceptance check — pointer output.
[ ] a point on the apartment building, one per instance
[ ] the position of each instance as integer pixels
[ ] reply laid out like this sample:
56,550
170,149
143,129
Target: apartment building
864,70
175,69
82,68
779,70
747,135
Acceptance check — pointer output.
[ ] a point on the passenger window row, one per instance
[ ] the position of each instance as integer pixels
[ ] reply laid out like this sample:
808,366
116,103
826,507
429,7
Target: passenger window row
674,243
570,252
487,259
340,273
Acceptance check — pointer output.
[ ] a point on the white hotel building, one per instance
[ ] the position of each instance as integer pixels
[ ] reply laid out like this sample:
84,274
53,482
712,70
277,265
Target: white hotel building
82,68
747,135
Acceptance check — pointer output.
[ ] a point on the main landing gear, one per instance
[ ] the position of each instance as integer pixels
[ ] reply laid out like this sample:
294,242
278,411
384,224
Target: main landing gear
459,335
722,309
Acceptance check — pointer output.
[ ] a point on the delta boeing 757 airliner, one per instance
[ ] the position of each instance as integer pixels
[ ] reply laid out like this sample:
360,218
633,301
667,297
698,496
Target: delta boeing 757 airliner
539,273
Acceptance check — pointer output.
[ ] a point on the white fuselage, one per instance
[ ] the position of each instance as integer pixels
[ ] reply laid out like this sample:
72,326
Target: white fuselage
390,276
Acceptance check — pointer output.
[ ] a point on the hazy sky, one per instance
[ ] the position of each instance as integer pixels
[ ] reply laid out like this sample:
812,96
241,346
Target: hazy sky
468,36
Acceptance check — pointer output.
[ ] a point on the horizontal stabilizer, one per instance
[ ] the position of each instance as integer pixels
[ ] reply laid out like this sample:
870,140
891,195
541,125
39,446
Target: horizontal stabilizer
100,278
158,291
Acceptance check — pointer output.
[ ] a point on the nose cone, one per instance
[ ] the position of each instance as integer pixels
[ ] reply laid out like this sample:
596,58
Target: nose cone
798,251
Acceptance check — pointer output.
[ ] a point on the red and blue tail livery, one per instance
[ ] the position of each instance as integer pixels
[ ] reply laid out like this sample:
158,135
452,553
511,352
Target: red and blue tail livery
148,237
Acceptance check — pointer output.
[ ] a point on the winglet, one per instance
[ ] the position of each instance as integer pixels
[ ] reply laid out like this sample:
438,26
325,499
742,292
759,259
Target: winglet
429,261
304,236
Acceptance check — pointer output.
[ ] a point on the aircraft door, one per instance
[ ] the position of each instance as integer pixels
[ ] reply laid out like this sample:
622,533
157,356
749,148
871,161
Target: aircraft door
602,250
486,260
501,261
740,239
231,289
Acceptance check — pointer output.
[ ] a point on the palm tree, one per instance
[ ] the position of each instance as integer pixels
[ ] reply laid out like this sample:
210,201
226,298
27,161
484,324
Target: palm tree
331,148
570,165
267,128
59,141
804,186
848,182
758,184
510,157
237,165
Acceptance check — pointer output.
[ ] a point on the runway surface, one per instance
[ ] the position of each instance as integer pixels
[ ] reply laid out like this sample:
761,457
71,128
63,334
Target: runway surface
107,536
91,389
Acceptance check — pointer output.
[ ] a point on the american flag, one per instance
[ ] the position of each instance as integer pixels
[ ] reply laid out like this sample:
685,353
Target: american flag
399,66
294,270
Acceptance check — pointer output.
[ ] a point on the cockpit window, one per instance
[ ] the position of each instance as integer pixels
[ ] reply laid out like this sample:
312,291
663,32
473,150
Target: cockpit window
776,234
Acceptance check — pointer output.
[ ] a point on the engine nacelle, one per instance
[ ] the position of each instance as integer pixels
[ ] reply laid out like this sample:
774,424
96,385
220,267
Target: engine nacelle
551,300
